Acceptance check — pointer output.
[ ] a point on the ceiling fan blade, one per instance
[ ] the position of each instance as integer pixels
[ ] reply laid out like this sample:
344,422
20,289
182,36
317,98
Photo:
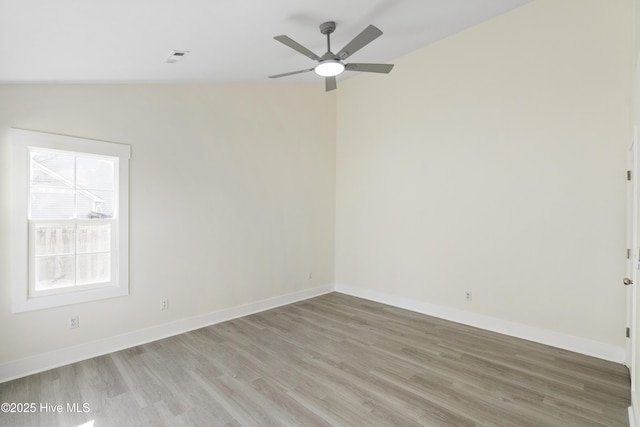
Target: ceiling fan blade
370,68
368,35
290,73
330,83
297,47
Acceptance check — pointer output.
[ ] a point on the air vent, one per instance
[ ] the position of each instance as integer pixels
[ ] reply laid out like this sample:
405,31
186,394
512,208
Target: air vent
176,56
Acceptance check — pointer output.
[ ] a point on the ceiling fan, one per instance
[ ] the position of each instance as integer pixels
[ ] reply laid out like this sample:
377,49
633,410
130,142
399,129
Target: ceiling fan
330,64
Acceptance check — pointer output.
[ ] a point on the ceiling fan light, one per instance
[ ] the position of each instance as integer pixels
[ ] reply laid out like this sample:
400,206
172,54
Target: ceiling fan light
329,68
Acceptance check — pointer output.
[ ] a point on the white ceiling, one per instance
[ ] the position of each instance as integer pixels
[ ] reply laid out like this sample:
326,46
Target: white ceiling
228,40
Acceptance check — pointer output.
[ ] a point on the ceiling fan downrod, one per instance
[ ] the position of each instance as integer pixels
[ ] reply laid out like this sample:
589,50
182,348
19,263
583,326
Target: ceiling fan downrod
328,28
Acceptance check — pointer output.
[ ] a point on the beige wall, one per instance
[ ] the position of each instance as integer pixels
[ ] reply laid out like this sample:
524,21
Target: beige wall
636,26
232,199
493,162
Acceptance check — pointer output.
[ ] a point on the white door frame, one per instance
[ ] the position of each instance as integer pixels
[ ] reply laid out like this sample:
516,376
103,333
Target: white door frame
633,264
633,255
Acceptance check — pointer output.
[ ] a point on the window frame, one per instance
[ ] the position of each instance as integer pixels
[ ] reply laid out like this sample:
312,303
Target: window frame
21,144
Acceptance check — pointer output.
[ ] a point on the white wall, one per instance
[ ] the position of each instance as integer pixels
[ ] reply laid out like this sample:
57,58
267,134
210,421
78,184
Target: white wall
493,162
232,200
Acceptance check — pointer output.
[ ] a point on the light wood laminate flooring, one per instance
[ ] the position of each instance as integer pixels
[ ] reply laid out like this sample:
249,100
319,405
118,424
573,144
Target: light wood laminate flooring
331,360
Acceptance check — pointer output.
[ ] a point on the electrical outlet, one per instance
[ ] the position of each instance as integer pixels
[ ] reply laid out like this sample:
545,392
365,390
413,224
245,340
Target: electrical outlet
165,304
468,296
74,322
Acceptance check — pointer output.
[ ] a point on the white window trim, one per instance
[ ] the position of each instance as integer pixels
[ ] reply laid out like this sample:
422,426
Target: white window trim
20,142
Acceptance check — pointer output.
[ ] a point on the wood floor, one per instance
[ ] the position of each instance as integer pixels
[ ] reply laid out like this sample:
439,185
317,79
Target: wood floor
331,360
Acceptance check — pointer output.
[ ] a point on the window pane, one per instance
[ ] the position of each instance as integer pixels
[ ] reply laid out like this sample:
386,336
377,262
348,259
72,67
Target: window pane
94,204
93,268
97,174
52,170
54,240
55,272
51,203
94,238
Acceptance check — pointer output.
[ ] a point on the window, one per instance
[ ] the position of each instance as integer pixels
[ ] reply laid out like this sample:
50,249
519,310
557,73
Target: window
71,226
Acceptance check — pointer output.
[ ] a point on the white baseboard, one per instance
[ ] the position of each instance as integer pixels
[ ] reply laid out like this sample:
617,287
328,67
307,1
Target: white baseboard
634,414
543,336
53,359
